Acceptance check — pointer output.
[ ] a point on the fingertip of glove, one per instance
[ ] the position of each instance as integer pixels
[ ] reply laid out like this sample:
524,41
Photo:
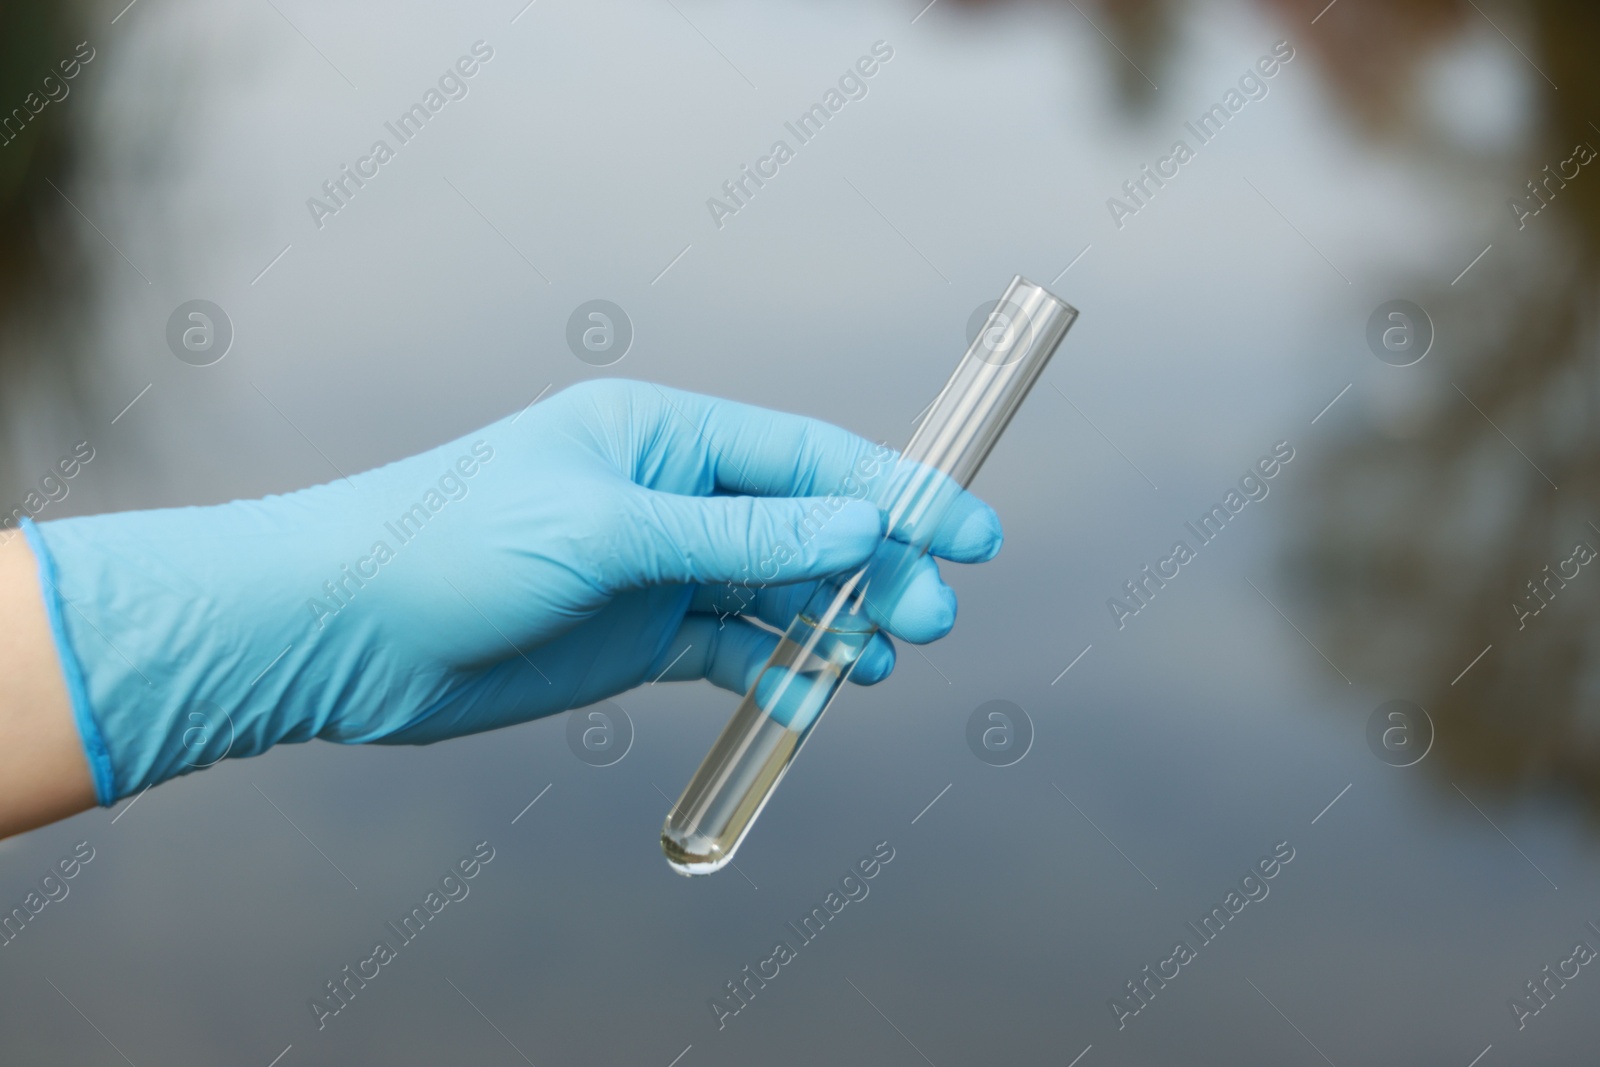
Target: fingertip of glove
981,532
876,662
926,610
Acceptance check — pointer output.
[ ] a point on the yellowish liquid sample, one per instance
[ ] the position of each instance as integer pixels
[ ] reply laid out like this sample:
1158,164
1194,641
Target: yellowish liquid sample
756,747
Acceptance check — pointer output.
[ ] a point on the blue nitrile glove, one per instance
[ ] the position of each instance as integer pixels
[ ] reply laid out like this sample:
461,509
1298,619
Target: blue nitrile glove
548,561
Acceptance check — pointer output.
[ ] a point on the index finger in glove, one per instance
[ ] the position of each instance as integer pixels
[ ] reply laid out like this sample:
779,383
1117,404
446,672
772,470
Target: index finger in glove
742,449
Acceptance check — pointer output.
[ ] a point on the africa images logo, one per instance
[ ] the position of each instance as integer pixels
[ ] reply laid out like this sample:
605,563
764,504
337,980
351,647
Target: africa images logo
852,85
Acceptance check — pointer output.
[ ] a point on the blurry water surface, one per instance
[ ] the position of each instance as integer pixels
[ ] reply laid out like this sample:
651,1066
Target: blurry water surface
1220,320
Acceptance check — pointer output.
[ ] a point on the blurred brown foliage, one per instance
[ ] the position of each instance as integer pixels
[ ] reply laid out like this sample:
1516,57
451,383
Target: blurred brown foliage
1418,543
33,38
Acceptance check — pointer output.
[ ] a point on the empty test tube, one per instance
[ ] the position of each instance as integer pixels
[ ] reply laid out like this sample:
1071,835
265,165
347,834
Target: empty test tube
816,654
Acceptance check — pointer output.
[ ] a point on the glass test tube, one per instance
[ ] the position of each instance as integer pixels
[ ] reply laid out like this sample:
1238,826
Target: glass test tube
823,643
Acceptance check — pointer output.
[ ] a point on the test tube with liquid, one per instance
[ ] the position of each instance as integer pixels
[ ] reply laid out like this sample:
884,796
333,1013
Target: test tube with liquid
821,646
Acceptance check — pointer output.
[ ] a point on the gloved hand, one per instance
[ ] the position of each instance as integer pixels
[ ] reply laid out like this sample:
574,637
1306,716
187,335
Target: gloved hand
550,560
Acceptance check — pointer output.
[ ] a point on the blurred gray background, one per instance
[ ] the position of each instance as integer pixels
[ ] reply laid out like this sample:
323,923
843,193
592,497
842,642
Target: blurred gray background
1222,318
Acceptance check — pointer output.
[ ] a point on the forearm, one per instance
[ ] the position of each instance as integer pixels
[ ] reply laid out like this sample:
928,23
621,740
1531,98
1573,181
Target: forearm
43,773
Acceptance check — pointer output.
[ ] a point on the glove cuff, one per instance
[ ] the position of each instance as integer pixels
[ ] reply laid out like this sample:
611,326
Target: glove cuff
94,746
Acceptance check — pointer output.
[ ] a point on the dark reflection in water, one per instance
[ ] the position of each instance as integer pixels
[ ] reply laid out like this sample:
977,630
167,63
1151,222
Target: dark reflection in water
1147,31
37,145
1425,546
41,275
